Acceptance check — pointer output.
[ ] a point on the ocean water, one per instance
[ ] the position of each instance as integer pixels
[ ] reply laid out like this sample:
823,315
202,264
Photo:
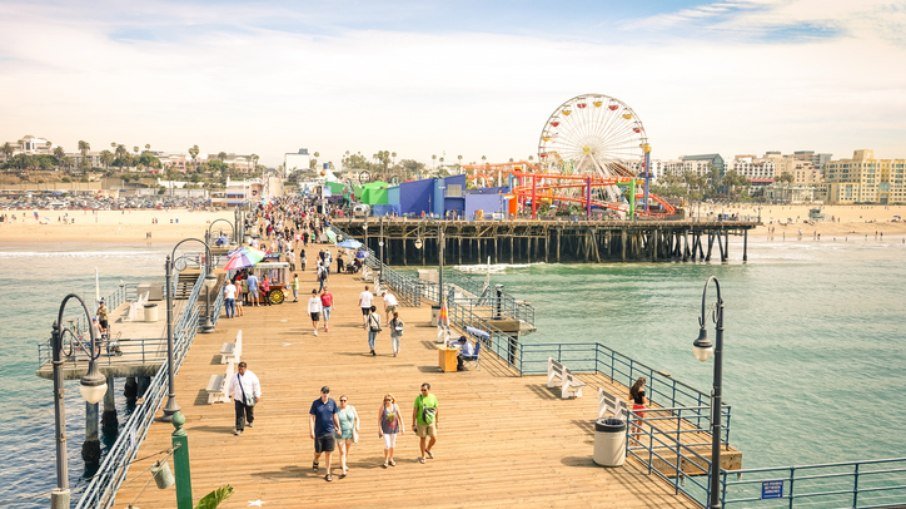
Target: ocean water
815,342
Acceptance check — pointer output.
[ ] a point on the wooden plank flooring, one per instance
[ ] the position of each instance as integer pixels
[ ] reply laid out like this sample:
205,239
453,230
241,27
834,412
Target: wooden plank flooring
504,440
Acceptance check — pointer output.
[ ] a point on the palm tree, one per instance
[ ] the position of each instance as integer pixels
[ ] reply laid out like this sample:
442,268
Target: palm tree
393,156
147,146
254,160
193,153
222,156
106,159
484,159
8,150
59,153
434,161
135,149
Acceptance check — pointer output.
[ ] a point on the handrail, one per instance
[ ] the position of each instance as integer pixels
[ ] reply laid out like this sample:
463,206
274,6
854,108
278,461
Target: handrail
102,488
857,484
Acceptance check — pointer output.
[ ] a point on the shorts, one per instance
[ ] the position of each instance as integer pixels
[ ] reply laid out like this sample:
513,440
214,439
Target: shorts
389,440
325,443
315,316
391,309
426,430
365,311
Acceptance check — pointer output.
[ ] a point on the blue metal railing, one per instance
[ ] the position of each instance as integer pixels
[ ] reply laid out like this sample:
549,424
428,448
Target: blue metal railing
101,490
857,484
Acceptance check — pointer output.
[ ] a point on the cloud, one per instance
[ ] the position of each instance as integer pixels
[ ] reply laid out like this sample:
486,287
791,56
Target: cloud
235,82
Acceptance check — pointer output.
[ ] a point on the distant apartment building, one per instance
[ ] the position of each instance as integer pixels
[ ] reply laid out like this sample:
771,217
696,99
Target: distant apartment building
298,161
701,165
752,167
33,145
242,163
864,179
172,162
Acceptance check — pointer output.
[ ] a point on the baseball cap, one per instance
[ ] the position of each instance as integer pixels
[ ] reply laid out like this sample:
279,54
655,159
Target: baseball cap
325,389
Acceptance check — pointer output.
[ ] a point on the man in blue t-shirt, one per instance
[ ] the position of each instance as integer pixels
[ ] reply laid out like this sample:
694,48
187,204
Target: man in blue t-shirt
253,289
323,424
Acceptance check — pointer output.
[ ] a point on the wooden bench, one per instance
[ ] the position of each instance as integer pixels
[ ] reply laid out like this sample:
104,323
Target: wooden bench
231,352
559,376
610,405
218,385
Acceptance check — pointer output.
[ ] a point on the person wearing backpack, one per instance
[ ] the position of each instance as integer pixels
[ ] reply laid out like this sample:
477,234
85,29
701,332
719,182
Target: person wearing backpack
424,421
396,332
374,327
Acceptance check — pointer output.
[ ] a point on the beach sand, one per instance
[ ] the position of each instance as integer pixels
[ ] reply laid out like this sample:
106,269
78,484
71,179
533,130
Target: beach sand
111,226
132,226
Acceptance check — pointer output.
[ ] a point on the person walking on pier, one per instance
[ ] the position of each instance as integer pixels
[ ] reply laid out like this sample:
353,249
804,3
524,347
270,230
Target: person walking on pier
323,424
253,289
348,434
295,287
374,327
326,307
365,299
637,395
425,422
390,424
314,309
390,304
245,389
229,299
396,332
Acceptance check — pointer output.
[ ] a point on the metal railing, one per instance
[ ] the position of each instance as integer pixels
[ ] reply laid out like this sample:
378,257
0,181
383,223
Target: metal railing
857,484
102,488
133,351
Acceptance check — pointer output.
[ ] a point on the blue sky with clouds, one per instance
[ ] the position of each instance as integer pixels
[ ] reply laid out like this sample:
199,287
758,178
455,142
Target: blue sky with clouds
456,77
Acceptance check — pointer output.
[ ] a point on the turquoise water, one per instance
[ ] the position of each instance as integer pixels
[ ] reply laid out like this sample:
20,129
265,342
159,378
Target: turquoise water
814,342
815,359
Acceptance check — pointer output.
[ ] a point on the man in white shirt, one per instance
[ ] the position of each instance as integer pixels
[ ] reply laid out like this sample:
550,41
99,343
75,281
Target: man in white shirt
229,299
244,389
365,299
314,309
390,304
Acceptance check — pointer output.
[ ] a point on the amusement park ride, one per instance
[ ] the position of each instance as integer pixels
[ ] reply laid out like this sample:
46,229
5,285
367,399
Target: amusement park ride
593,151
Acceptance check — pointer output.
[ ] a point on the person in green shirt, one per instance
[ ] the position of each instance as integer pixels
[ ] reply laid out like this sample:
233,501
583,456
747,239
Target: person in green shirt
425,422
295,286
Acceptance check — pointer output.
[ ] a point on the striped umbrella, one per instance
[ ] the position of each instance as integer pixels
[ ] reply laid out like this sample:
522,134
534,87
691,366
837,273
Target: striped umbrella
243,257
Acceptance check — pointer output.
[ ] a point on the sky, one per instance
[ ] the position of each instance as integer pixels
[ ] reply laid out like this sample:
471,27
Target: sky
452,77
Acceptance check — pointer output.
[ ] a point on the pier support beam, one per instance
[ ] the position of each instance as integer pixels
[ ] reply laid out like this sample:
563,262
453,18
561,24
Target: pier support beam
109,421
91,449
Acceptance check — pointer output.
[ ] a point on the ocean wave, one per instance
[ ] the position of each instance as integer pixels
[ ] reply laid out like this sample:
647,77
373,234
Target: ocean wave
496,268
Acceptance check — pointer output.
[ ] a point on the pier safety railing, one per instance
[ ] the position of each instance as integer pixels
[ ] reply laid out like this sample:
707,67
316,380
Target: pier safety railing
103,485
857,484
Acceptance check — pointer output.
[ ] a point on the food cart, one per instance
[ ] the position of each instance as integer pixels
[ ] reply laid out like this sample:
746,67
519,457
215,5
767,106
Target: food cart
278,273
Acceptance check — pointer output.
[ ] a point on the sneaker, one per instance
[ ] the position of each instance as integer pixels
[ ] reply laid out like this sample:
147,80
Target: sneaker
372,353
392,463
385,465
315,332
249,425
328,478
237,432
421,460
430,456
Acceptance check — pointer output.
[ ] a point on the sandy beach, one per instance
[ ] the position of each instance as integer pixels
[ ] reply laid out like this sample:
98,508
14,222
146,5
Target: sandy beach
133,226
110,226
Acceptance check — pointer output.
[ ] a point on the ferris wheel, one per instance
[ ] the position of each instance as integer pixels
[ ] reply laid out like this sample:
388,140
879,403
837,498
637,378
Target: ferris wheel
593,134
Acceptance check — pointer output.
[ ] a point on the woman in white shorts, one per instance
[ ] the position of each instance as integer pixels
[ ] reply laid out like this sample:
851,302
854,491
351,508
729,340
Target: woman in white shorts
390,424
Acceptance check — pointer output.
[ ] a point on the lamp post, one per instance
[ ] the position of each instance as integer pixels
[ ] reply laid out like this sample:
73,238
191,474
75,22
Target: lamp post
209,281
92,387
208,325
702,348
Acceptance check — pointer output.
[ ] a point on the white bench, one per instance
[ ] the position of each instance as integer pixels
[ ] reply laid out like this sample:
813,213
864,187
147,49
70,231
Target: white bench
136,310
610,405
218,385
559,376
231,352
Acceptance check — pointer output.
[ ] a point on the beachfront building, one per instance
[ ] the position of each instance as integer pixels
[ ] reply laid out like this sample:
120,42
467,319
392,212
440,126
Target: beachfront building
297,161
238,192
32,145
752,167
701,165
172,162
865,179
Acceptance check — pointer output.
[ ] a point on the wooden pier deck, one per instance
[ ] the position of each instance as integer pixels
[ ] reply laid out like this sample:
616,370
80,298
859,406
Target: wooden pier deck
504,440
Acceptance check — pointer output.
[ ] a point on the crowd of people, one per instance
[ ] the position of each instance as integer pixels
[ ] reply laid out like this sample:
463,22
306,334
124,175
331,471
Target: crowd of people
290,228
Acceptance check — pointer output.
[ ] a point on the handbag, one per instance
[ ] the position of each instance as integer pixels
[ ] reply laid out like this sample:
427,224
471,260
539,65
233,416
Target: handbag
249,400
375,324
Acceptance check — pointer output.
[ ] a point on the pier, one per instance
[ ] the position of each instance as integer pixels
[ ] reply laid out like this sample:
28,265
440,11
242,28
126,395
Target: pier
533,241
504,439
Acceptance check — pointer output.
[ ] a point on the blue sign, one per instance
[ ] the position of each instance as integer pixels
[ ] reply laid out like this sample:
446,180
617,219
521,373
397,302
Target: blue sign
771,489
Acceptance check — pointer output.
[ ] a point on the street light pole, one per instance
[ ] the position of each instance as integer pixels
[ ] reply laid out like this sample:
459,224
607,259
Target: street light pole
440,258
209,281
92,387
702,349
